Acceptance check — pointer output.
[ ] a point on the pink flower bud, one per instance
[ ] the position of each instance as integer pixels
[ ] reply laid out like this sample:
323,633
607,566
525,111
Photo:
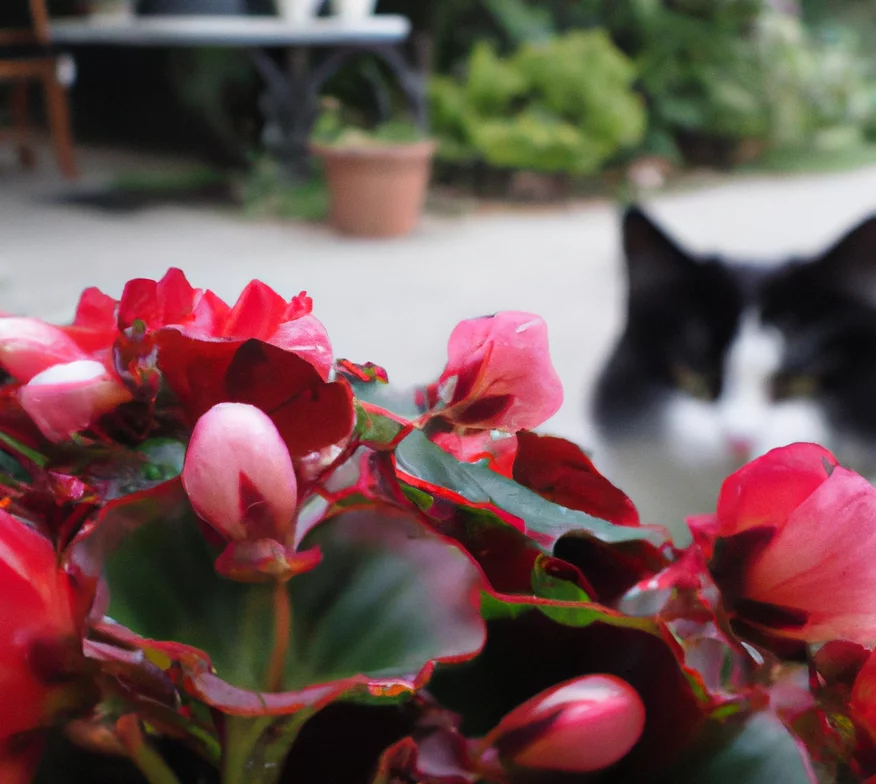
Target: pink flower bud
238,474
28,346
499,374
579,726
66,399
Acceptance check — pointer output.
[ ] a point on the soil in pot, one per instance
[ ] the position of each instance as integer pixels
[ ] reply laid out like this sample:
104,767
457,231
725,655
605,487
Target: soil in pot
376,190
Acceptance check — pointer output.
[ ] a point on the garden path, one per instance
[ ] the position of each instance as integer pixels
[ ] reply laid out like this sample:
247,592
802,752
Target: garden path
395,302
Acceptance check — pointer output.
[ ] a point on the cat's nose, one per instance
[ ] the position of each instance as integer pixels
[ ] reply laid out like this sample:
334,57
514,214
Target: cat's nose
742,447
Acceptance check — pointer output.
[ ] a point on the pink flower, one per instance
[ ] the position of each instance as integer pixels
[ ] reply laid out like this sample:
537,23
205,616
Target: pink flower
795,546
29,346
239,476
69,398
499,374
583,725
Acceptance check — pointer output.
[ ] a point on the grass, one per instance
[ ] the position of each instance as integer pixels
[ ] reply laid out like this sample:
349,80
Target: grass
810,161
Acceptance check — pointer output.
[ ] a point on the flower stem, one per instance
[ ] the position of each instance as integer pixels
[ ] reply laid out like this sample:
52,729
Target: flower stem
282,633
148,761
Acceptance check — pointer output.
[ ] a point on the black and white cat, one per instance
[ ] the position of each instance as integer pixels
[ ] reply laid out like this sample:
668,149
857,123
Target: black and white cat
721,360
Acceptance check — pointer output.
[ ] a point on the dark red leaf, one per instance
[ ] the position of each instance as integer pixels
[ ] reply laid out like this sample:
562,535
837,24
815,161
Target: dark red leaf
195,370
266,376
310,413
559,471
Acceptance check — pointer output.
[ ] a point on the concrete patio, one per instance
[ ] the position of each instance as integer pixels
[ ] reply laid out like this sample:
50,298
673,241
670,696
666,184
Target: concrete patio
395,302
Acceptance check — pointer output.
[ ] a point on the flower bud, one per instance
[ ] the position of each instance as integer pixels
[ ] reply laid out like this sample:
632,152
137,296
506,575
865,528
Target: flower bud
66,399
28,346
238,474
579,726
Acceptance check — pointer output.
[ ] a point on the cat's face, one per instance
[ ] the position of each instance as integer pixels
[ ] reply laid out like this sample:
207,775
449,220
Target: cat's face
720,362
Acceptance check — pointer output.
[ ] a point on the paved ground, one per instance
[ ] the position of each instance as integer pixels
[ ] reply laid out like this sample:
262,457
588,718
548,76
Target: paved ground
395,302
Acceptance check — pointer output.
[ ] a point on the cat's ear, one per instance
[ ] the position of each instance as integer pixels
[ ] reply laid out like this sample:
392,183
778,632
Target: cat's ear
850,265
655,263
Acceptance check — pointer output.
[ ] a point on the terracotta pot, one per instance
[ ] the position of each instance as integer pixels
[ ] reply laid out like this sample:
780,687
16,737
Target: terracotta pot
376,191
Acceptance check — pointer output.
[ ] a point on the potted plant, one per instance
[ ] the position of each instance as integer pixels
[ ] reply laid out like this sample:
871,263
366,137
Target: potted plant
377,178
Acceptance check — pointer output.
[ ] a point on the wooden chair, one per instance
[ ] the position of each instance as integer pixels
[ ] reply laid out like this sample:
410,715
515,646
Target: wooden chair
36,65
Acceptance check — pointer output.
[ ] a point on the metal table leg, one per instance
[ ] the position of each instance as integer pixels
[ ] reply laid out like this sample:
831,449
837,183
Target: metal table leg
290,103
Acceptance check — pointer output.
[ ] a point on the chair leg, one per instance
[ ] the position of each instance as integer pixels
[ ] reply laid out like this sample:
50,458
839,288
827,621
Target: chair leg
59,122
21,124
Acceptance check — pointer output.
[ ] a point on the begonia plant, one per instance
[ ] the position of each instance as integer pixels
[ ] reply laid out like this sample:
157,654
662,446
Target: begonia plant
227,555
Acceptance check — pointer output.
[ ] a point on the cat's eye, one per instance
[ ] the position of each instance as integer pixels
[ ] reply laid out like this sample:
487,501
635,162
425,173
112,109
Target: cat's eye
695,384
787,386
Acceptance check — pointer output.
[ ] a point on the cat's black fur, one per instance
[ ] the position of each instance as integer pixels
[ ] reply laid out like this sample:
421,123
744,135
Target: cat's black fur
684,310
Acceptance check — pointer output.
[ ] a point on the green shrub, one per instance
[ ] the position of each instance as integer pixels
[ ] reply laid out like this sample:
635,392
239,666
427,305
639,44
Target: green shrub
563,105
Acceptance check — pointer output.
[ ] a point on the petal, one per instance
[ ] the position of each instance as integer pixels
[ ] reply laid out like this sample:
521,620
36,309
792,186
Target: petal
257,313
503,357
768,489
29,346
308,338
69,398
822,561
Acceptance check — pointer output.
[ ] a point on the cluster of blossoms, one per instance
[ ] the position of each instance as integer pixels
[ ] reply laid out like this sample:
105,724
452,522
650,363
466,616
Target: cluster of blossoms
226,554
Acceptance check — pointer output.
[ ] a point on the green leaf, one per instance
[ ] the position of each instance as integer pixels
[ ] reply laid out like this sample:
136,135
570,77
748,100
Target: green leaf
546,586
419,457
374,428
495,606
762,751
26,451
165,458
11,469
388,597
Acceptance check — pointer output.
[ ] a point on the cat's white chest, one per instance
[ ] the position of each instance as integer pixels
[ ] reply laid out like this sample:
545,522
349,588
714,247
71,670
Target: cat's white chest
675,467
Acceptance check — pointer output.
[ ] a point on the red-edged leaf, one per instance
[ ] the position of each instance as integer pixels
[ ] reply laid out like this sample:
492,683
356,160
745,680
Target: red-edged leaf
527,652
437,757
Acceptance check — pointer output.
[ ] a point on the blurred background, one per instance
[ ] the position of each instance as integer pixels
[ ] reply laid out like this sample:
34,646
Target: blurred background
747,126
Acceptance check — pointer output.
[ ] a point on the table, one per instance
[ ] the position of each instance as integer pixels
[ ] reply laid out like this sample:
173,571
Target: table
290,103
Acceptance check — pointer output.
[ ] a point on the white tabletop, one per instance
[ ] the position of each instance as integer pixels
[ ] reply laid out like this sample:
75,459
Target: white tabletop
229,31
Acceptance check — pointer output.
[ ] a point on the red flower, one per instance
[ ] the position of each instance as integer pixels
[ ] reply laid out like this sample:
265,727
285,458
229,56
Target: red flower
499,374
794,546
259,313
40,640
583,725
